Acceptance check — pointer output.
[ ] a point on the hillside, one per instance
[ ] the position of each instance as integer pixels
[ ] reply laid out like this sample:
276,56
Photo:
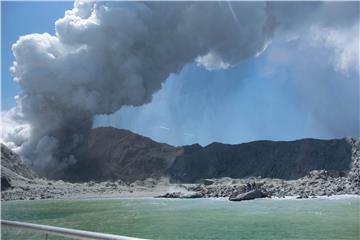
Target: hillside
12,168
111,154
282,159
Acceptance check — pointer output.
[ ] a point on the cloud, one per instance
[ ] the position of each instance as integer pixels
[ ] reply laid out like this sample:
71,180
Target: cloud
14,132
164,128
107,55
211,61
343,43
294,88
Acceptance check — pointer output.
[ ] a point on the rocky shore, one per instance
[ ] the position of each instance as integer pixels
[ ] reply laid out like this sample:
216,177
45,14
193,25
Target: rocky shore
315,183
19,183
32,189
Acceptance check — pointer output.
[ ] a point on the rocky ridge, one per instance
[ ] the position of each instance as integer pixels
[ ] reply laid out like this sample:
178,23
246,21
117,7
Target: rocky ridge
111,154
270,159
315,183
19,182
12,169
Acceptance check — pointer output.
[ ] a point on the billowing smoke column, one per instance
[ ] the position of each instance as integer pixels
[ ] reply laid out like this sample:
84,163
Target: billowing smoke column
107,55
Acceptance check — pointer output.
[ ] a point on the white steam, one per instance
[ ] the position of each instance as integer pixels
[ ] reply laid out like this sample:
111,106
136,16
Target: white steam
106,55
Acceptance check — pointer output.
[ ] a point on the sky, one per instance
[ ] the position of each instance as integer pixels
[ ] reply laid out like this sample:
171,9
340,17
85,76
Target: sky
295,88
21,18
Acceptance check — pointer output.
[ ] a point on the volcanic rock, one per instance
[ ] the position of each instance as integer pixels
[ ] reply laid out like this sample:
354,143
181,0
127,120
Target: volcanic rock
272,159
248,195
113,154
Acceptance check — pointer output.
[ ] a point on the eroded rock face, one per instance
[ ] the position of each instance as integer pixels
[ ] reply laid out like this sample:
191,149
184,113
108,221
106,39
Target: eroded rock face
285,160
12,166
5,183
112,154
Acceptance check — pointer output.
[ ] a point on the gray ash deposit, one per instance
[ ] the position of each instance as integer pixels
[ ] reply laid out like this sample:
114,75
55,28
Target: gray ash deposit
115,161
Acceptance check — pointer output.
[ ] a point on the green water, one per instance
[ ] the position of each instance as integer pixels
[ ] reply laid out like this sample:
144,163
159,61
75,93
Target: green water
194,218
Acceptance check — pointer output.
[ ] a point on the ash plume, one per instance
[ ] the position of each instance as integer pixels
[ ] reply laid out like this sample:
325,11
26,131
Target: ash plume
106,55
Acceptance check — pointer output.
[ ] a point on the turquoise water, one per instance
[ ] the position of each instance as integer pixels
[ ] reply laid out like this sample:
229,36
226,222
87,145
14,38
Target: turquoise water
194,218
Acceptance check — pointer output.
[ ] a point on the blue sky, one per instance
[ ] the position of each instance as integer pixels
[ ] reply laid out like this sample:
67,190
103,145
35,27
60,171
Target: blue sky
290,91
21,18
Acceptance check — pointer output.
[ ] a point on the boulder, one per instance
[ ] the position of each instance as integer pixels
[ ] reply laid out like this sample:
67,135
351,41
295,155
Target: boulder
171,195
248,195
302,195
208,182
193,195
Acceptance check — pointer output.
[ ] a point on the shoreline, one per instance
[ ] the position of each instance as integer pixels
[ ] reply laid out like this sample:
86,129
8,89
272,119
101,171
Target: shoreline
119,197
315,184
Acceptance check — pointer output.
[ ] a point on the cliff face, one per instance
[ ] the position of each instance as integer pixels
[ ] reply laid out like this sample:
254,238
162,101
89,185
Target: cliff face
11,164
12,168
285,160
111,154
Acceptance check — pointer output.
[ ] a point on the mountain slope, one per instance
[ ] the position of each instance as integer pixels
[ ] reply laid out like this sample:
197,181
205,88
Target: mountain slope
11,162
111,154
12,168
286,160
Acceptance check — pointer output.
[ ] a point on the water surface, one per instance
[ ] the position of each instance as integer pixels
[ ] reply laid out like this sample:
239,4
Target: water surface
193,218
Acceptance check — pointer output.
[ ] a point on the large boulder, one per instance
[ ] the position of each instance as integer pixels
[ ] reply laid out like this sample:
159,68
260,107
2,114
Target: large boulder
248,195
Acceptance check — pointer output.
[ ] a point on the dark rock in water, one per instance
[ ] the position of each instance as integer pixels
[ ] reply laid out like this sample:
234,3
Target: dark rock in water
208,182
248,195
5,183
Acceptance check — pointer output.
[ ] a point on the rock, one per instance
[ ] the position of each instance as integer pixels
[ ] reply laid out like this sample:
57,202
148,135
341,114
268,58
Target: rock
248,195
208,182
129,156
120,182
171,195
91,183
12,164
5,183
193,195
302,195
25,188
337,174
289,160
110,184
